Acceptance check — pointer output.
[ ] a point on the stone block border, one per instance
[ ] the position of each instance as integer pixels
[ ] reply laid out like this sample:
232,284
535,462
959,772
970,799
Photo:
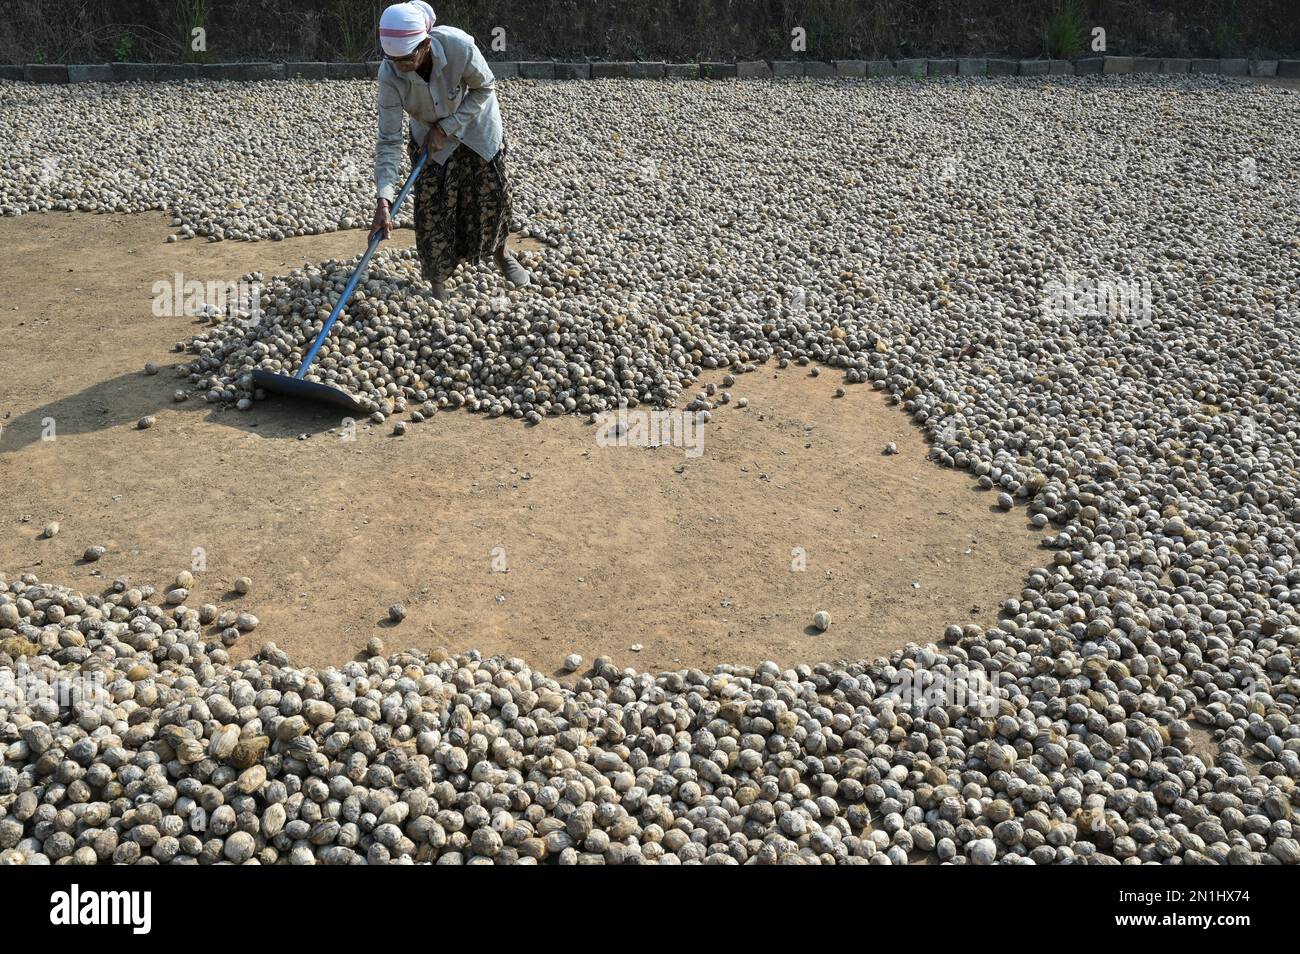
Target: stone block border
177,71
537,69
572,71
719,70
101,73
639,69
304,71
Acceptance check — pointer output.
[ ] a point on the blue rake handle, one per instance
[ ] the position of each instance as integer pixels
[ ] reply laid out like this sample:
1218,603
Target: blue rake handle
375,238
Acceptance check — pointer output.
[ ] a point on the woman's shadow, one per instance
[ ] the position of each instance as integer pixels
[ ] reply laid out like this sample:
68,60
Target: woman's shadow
127,398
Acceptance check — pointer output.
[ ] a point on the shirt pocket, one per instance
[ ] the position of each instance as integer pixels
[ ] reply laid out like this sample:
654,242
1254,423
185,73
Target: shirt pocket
447,99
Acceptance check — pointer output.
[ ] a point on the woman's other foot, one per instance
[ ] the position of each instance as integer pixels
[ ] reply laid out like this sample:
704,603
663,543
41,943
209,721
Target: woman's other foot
515,273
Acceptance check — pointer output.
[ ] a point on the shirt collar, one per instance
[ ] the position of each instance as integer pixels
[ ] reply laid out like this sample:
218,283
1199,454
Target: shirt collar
437,52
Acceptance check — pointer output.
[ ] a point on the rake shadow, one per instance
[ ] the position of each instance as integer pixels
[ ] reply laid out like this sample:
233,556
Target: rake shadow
124,399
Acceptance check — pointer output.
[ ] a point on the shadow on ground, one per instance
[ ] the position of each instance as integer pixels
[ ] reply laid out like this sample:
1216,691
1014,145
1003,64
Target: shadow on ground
127,398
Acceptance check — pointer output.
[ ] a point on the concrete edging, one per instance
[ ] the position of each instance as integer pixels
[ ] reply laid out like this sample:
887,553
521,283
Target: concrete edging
656,69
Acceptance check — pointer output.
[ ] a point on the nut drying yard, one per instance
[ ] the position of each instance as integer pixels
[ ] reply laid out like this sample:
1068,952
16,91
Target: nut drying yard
692,244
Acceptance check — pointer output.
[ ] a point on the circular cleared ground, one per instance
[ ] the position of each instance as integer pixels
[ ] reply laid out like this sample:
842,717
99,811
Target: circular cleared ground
534,542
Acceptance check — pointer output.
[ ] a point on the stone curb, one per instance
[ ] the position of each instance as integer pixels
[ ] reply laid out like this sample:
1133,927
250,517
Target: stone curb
628,70
45,73
243,71
614,70
304,71
654,69
349,71
135,72
91,73
535,69
177,71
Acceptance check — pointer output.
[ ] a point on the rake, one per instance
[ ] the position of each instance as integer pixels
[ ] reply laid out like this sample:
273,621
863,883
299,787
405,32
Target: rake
297,385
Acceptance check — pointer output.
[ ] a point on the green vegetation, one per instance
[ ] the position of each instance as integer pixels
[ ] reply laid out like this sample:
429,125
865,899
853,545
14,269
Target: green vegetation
1064,33
1227,40
187,16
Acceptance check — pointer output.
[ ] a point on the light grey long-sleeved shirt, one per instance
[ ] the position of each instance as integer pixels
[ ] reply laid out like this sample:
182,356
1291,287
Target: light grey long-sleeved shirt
460,96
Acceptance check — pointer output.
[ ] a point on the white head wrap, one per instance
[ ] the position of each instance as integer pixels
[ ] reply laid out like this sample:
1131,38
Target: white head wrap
403,27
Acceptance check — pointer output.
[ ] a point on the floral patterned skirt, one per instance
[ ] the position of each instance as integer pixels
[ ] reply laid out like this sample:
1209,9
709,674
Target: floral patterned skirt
462,210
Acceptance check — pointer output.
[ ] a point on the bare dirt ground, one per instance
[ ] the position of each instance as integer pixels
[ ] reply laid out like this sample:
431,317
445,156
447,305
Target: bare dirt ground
695,559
